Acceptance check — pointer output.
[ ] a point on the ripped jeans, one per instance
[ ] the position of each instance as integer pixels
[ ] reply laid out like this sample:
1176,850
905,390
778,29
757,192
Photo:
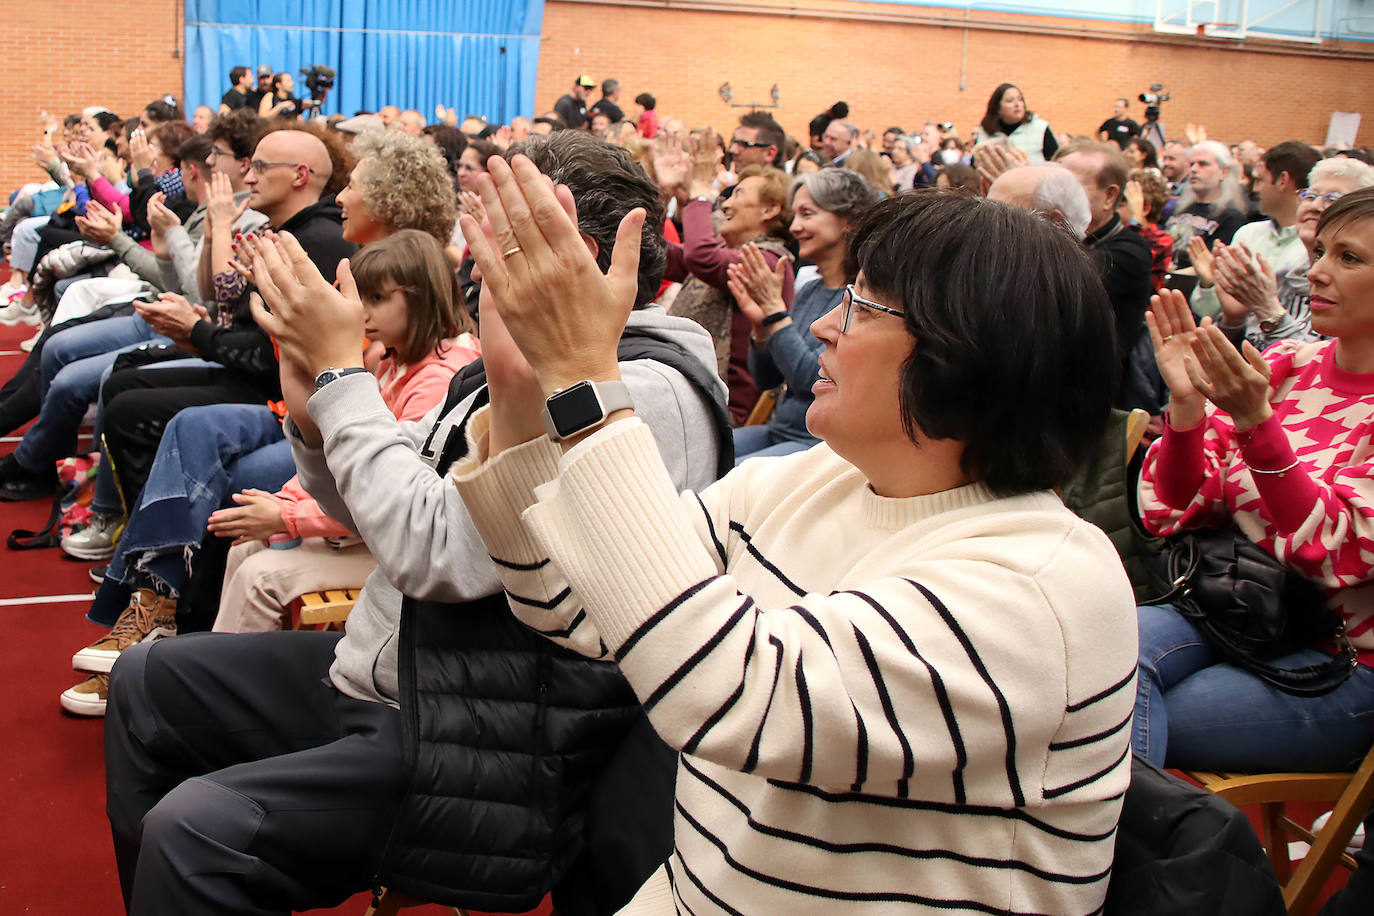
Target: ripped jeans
206,454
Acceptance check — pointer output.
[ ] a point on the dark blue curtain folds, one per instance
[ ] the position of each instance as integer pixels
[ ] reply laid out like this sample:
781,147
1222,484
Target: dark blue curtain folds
476,56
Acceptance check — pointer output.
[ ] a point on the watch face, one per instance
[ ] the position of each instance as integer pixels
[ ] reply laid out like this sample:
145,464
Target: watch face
575,409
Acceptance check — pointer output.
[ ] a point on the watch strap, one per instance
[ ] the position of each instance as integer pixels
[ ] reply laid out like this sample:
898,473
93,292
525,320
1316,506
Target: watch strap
610,396
774,318
329,375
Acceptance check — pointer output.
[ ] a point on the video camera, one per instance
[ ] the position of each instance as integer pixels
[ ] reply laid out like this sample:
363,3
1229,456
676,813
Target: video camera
319,79
1152,100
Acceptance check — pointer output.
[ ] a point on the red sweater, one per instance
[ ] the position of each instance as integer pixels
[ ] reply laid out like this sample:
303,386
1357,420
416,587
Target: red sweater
1318,518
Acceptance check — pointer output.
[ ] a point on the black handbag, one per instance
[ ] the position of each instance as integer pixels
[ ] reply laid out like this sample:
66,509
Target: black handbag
1253,609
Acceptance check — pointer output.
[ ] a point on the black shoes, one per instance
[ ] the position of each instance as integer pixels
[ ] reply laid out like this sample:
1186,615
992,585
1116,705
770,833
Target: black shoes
18,485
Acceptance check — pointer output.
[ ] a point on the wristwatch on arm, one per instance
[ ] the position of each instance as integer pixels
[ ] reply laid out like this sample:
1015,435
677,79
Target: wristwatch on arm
329,375
583,406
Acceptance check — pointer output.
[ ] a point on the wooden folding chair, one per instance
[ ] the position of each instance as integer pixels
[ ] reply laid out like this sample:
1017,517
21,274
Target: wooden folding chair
1350,794
328,609
763,407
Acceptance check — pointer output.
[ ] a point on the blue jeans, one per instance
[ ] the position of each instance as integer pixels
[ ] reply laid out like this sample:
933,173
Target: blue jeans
759,442
1193,710
72,366
206,454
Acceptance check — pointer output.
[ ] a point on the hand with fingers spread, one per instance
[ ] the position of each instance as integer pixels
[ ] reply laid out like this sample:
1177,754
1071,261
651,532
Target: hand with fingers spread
1203,258
671,165
757,290
993,159
315,325
1172,329
257,517
563,313
1236,382
470,202
83,160
100,225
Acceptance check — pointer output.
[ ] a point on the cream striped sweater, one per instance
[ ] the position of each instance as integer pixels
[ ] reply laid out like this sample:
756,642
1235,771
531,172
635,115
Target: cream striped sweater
883,705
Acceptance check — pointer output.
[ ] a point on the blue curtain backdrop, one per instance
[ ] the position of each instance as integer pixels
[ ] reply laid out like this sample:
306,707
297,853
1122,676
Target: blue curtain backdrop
476,56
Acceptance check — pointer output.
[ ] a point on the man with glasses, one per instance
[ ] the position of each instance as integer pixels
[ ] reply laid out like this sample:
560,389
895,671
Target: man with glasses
759,140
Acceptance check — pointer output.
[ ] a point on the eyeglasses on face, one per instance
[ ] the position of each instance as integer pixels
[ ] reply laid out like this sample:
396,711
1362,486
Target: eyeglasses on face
749,144
260,166
852,298
1328,199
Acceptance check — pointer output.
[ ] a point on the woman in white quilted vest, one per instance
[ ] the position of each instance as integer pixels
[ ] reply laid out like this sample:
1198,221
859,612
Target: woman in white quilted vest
1007,116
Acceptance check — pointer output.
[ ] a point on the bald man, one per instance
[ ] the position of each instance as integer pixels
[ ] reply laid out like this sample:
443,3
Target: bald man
388,114
1050,190
411,122
287,178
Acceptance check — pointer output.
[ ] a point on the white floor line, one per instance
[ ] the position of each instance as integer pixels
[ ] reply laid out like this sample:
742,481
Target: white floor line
13,353
10,438
45,599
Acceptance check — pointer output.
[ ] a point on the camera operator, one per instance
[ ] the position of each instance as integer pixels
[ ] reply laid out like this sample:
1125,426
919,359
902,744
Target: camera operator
280,102
1118,128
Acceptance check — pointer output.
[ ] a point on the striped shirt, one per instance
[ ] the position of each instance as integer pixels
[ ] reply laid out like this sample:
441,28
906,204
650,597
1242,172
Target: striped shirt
883,705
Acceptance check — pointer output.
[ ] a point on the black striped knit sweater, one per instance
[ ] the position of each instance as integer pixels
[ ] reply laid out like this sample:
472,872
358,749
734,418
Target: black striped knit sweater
883,705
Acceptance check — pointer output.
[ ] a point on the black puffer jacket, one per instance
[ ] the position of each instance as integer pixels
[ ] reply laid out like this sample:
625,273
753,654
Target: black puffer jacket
523,754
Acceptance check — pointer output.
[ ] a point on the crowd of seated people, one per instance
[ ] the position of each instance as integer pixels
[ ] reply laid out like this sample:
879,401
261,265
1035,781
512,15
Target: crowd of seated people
344,352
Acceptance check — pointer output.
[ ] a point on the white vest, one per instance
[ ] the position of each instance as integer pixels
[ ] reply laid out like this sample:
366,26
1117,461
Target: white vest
1029,138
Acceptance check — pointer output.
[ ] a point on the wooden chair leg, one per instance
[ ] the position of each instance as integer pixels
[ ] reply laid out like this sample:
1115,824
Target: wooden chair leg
1301,892
1275,837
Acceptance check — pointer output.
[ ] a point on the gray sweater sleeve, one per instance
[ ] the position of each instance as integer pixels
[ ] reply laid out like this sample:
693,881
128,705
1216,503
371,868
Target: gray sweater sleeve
371,476
139,259
178,273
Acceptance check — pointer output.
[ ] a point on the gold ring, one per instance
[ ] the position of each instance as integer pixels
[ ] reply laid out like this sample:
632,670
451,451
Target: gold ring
509,252
1167,339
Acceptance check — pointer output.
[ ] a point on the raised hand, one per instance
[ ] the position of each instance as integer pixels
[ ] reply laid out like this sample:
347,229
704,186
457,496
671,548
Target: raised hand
1172,330
220,208
315,325
140,150
1202,259
1135,201
706,160
1249,280
563,313
756,288
1236,384
100,225
671,164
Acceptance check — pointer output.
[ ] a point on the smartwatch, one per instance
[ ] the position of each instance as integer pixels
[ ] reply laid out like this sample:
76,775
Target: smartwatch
571,411
329,375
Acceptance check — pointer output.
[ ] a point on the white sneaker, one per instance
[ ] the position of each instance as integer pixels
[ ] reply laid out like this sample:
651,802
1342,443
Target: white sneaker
97,540
28,345
1356,840
19,313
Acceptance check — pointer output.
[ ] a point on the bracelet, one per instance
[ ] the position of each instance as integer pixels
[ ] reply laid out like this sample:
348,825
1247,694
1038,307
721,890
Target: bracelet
774,318
1279,471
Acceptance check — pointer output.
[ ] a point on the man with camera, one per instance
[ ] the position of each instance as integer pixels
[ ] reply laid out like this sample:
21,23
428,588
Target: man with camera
1118,128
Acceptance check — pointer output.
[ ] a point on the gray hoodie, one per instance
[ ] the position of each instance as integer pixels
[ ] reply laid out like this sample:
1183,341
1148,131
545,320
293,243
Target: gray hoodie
375,475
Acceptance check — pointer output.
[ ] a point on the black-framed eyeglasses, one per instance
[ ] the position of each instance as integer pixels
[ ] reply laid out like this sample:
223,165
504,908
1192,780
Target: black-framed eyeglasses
749,144
260,166
852,298
1309,194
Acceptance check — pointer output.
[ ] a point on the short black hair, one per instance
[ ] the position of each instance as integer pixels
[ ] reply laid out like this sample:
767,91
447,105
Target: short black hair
236,74
451,142
646,101
107,119
607,183
770,131
1291,156
555,123
998,301
239,129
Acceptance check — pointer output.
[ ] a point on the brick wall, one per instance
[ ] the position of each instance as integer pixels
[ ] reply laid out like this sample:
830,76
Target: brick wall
63,55
904,69
893,64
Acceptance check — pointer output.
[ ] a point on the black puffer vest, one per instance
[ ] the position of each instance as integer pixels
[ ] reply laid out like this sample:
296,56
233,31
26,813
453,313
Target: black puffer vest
510,738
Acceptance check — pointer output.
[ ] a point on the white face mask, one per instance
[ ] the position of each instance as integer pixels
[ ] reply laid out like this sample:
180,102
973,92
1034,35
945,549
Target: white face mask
950,156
